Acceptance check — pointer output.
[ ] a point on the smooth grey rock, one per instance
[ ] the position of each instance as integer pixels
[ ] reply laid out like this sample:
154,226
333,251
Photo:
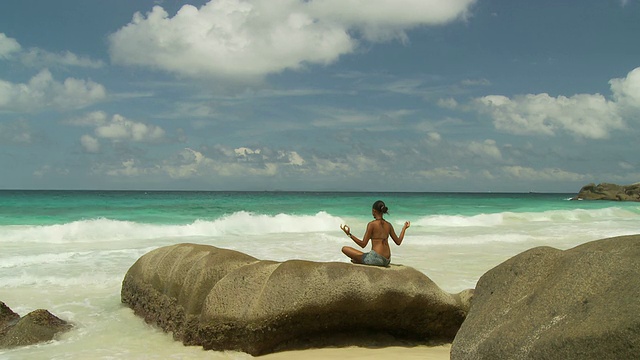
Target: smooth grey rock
582,303
226,300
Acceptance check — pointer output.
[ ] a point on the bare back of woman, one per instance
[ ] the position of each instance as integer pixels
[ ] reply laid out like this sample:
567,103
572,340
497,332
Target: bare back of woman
378,231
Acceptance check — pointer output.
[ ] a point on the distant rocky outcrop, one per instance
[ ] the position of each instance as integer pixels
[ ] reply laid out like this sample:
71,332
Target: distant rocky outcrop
606,191
226,300
35,327
581,303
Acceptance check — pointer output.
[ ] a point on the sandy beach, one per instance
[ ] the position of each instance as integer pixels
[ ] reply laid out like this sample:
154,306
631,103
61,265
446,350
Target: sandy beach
73,249
440,352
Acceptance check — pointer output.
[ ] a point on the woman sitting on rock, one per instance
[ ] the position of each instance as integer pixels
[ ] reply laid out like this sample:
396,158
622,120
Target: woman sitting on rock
378,231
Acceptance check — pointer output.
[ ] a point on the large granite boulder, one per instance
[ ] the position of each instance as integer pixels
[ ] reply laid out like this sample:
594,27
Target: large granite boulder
226,300
606,191
582,303
35,327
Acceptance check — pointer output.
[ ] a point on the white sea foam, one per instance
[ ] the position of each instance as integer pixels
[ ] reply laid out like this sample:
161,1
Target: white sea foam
86,279
469,239
506,218
100,230
38,259
461,221
245,223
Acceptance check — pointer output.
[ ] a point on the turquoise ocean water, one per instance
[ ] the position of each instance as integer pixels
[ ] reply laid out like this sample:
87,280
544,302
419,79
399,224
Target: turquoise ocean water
68,251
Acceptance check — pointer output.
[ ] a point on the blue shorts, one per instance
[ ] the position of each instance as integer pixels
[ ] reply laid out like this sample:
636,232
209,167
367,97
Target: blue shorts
373,258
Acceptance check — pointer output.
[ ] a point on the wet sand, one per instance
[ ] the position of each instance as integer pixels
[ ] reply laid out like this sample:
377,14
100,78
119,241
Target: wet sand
418,352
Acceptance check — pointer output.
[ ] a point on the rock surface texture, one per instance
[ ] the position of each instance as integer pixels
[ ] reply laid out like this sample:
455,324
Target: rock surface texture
545,303
226,300
606,191
35,327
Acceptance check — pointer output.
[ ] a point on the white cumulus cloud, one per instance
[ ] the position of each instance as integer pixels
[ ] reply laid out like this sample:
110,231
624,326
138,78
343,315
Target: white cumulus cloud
434,137
36,57
8,46
95,118
626,91
129,168
451,172
291,157
90,144
243,152
591,116
584,115
192,163
220,162
44,92
229,38
121,128
116,128
485,149
252,38
381,20
546,174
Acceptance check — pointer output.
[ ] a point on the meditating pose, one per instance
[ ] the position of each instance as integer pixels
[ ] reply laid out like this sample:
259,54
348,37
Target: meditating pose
378,231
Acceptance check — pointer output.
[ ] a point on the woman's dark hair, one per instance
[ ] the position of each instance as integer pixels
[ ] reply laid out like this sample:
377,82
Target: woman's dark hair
380,207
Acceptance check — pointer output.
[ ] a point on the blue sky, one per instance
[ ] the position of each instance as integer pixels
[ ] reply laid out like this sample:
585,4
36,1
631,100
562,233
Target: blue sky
403,95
